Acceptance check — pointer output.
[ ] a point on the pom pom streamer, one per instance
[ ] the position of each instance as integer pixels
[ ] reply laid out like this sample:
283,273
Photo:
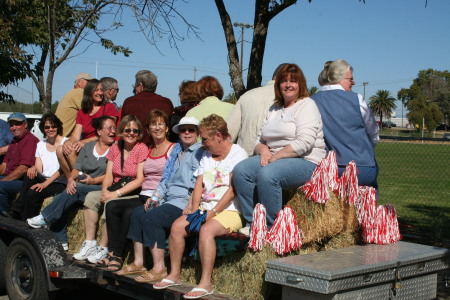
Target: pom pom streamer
259,228
316,189
332,171
285,236
348,189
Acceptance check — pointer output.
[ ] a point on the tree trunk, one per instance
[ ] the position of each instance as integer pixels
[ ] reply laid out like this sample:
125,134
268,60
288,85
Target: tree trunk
234,66
261,24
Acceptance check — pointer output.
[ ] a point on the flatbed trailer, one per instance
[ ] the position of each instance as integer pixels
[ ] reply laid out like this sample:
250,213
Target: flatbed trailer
34,265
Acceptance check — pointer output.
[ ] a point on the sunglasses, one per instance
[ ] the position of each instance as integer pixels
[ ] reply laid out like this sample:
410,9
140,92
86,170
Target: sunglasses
51,126
128,130
183,130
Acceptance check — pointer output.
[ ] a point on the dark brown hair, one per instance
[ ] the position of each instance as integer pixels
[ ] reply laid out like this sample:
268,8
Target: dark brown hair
54,120
87,104
187,92
296,73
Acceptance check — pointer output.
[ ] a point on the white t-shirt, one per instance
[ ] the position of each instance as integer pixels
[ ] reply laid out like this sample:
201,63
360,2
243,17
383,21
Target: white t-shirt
49,160
216,177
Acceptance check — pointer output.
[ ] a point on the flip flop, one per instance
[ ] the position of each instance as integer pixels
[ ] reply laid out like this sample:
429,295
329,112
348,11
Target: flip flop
131,269
103,263
197,289
151,275
168,282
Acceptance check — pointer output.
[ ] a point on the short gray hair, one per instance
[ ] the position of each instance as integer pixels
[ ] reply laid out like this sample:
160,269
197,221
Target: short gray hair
334,71
148,80
108,83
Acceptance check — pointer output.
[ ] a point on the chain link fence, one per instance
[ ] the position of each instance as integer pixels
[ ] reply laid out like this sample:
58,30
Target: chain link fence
414,177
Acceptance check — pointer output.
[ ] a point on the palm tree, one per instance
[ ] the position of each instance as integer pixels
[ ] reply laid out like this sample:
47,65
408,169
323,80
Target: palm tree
382,103
312,90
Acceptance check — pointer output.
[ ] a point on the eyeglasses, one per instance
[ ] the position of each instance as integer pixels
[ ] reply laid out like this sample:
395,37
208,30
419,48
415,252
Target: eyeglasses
157,125
110,128
204,140
350,79
51,126
128,130
183,130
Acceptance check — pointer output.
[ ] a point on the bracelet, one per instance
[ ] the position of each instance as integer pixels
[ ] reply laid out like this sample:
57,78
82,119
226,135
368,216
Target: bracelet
215,211
119,193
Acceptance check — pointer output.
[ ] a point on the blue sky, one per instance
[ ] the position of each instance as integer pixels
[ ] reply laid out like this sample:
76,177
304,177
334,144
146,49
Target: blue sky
386,41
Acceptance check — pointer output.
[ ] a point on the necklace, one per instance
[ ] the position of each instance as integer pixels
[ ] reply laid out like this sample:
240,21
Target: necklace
216,165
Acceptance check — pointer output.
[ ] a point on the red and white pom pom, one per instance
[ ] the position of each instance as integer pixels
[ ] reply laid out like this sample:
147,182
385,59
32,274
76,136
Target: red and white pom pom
258,230
332,171
348,188
284,236
366,207
392,228
316,189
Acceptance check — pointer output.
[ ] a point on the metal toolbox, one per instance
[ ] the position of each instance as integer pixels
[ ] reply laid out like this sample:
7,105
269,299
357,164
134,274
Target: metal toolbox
397,271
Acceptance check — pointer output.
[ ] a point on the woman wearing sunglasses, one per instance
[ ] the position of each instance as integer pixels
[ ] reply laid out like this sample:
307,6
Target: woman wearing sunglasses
45,178
125,160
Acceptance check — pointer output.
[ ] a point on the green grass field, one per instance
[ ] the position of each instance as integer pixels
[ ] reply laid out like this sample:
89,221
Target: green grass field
415,178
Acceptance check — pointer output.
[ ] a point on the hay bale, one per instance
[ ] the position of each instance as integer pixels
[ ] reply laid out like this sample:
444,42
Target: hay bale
325,226
75,226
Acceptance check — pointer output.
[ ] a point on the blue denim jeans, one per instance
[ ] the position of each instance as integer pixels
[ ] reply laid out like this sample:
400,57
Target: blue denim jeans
256,184
55,212
8,190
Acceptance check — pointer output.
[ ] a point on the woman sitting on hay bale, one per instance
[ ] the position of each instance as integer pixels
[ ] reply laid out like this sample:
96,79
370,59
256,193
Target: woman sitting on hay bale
150,228
119,213
214,195
349,126
123,180
289,147
45,178
92,163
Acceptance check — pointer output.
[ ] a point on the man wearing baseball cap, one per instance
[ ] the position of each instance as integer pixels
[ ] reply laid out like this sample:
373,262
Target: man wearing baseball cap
20,156
71,102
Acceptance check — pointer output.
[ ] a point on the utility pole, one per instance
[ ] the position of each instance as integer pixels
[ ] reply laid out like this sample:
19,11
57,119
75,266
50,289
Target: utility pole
241,59
364,86
195,73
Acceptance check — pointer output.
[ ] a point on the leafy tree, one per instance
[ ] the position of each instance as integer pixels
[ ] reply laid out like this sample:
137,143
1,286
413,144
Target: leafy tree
382,103
42,34
312,90
265,11
428,97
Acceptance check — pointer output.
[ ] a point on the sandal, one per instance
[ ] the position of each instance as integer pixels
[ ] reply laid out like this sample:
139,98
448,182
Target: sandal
114,267
151,275
131,269
104,262
165,283
204,293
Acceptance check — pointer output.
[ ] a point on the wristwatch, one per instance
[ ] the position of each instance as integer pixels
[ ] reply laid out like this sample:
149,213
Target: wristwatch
119,193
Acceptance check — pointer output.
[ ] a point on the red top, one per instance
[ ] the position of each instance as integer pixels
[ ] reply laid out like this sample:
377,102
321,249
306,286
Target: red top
140,104
85,119
21,152
137,155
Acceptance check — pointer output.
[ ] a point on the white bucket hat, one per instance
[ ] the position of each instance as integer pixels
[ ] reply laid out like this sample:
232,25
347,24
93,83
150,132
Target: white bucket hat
185,121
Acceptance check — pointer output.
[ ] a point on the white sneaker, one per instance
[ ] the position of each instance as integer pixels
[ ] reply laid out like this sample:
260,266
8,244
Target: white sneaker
86,249
245,230
65,246
37,222
99,254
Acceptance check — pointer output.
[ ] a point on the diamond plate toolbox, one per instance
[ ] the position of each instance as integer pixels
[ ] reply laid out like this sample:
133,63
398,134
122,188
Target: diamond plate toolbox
393,268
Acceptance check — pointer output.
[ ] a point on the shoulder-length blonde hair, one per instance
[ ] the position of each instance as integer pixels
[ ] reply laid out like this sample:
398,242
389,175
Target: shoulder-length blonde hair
297,74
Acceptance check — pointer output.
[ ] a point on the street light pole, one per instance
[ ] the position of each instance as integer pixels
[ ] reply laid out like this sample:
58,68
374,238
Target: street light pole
242,25
364,86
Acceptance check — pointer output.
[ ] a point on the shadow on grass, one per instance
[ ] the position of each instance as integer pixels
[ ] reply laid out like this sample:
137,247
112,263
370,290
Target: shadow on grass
430,224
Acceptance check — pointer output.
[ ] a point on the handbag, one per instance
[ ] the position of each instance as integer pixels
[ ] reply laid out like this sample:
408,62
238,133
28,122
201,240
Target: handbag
120,184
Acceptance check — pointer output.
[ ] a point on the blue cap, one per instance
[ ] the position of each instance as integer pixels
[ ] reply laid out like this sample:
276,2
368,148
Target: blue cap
17,116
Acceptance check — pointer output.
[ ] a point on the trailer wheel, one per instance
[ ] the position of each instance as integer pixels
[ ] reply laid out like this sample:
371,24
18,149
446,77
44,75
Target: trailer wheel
24,276
3,249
